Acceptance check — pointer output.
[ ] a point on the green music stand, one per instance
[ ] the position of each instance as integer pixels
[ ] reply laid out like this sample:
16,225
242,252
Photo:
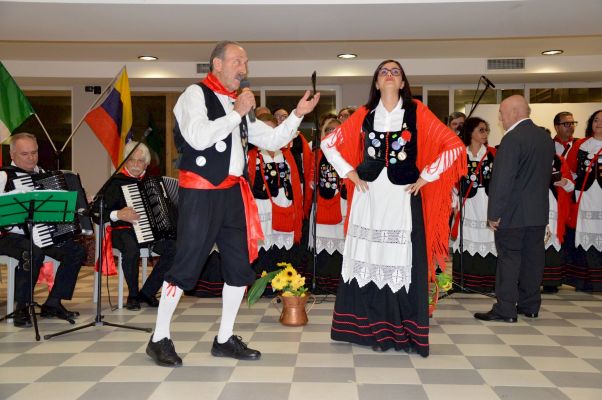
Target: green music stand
27,208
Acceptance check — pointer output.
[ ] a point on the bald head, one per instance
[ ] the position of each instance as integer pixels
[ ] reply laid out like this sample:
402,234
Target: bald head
513,109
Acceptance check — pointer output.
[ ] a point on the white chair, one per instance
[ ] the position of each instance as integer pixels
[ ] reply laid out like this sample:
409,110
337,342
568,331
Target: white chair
144,255
11,265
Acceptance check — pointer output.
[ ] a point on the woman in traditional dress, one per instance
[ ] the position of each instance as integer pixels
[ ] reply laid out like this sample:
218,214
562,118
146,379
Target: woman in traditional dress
280,206
585,162
400,162
330,220
559,195
475,256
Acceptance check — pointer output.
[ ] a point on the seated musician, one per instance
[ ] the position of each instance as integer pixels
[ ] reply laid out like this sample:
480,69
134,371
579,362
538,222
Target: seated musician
124,237
15,244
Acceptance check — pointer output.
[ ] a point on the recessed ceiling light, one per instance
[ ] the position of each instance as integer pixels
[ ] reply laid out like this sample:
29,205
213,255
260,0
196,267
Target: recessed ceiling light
148,58
347,56
552,52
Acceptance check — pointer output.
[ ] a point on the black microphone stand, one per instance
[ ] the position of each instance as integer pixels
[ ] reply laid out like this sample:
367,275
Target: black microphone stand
99,198
461,195
314,200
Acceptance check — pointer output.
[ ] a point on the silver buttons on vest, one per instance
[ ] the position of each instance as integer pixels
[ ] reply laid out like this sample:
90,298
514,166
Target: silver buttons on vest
221,146
201,161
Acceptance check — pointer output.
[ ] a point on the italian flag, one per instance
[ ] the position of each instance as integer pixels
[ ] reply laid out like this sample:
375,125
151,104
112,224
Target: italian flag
14,106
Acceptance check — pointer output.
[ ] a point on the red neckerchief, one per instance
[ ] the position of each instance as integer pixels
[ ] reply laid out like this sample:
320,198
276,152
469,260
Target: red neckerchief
127,173
214,84
566,144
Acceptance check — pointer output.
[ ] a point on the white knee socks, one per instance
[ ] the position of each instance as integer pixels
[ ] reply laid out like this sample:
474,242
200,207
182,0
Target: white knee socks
231,299
170,296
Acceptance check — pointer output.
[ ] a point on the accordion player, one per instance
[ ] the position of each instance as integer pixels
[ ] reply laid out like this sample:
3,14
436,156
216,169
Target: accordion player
142,213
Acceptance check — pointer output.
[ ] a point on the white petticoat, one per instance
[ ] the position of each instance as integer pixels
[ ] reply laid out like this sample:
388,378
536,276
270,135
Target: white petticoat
477,237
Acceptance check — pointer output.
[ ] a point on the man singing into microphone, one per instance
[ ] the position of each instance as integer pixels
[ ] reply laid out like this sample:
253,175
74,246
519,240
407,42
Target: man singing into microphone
215,202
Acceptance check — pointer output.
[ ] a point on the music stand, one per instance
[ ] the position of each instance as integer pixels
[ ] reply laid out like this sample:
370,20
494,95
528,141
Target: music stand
99,198
17,208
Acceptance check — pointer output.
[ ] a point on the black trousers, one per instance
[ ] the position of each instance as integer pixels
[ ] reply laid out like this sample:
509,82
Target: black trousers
520,263
125,241
70,254
207,217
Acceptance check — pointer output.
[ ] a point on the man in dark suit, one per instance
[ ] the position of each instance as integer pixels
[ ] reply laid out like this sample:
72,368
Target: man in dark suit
518,212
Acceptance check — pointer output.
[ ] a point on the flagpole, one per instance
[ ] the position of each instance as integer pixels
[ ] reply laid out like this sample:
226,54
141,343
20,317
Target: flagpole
49,138
81,121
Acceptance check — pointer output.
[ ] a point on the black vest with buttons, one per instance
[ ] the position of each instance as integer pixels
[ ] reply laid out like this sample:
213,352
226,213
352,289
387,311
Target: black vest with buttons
329,181
476,179
586,161
212,163
556,165
380,151
277,175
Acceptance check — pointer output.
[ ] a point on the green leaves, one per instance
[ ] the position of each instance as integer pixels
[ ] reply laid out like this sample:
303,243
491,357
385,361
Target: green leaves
259,287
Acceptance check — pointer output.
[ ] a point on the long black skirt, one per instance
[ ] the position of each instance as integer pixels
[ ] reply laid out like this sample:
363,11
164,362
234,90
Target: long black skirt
371,316
553,269
476,273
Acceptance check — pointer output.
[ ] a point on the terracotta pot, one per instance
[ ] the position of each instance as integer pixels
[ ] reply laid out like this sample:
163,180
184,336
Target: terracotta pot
294,309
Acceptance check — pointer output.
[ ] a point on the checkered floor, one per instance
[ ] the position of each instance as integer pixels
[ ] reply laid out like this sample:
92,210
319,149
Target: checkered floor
557,356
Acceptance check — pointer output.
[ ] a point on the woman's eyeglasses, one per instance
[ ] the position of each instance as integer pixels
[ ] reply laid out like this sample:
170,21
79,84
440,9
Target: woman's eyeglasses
385,71
483,130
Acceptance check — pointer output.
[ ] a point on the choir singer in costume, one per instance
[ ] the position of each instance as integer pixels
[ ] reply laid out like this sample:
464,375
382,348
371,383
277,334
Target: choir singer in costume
215,203
400,162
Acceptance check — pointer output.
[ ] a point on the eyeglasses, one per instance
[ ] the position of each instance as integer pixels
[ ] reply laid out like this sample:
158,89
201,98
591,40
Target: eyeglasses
385,71
483,130
568,124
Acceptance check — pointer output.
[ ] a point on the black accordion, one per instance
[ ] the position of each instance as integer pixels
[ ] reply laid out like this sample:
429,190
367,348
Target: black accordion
45,235
155,199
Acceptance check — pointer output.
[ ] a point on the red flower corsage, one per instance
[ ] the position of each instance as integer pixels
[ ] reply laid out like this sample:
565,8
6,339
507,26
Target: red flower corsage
406,135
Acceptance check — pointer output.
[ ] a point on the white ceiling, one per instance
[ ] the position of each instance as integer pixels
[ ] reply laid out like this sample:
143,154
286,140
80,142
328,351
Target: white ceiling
433,37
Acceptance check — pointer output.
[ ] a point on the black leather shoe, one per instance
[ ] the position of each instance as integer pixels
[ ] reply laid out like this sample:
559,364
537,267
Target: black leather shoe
72,314
59,312
493,316
549,289
150,300
234,348
21,319
163,353
132,304
528,315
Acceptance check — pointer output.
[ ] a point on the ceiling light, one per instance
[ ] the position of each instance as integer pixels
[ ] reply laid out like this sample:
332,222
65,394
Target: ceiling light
347,56
148,58
552,52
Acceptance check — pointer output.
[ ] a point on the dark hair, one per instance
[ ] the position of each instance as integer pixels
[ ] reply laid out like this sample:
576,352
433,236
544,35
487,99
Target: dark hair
219,50
589,129
454,115
405,93
469,126
560,115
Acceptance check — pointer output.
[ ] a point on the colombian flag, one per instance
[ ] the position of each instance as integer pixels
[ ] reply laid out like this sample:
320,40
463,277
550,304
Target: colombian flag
112,120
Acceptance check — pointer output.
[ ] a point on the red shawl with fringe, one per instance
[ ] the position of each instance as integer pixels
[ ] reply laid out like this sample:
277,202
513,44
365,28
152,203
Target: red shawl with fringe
564,201
434,139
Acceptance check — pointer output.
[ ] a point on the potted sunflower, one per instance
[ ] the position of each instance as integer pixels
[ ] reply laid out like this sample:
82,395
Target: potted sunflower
292,293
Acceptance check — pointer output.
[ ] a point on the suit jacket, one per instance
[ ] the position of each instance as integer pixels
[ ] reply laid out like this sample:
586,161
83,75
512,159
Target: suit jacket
518,192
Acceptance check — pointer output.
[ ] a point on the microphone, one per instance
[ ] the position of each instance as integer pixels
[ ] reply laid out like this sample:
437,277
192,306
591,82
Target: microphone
489,83
244,84
147,132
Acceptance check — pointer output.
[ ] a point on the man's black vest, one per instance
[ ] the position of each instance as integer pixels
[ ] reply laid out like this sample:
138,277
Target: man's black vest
213,163
381,149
